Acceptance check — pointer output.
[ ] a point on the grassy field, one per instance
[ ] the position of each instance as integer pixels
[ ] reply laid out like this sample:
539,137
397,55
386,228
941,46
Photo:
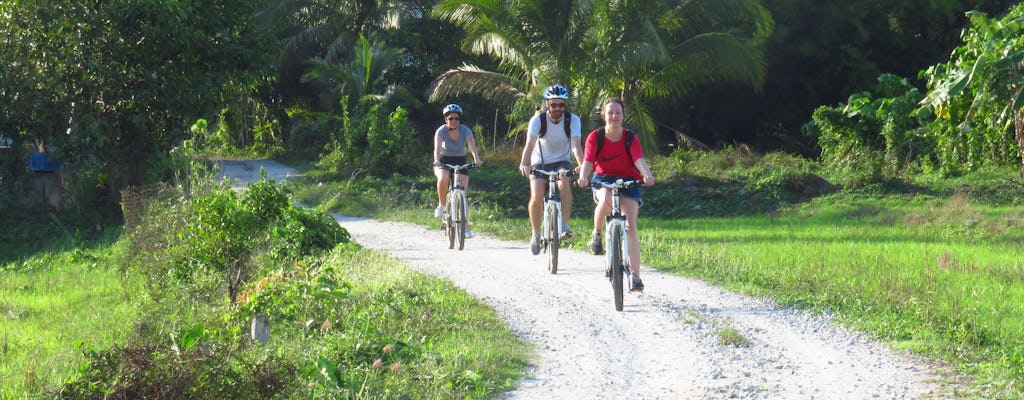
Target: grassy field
939,277
77,319
935,266
935,269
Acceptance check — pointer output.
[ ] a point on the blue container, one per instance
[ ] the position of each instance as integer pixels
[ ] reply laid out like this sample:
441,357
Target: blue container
41,162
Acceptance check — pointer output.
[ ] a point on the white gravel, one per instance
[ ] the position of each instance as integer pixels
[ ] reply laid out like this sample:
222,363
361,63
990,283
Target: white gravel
665,342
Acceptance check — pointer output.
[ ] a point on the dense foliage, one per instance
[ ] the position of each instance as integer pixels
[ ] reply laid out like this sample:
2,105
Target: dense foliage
969,119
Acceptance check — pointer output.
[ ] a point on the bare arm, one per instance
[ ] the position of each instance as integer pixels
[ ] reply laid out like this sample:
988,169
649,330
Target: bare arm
438,143
577,150
472,149
524,161
645,171
584,178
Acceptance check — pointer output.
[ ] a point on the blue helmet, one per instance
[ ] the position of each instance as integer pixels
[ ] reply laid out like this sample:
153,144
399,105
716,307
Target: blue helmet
451,108
556,92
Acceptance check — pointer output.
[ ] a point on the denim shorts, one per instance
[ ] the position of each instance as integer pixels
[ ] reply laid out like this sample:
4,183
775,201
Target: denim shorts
632,192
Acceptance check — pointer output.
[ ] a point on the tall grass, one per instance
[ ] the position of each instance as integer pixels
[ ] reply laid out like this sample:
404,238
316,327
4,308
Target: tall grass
940,277
346,322
929,264
50,305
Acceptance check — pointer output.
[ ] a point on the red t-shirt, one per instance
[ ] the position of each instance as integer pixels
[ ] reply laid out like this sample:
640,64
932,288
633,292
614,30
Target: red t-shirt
613,159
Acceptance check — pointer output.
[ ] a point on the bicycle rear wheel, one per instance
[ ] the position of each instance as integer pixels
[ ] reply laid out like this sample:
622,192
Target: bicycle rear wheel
460,222
554,240
614,250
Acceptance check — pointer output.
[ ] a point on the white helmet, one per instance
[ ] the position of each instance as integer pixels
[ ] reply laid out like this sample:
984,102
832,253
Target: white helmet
451,108
556,92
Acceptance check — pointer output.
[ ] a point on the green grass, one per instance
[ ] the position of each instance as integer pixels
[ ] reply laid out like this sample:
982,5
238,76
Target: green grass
933,265
71,321
940,277
49,306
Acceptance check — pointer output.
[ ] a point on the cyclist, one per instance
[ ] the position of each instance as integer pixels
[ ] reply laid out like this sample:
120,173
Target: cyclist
450,143
552,140
620,157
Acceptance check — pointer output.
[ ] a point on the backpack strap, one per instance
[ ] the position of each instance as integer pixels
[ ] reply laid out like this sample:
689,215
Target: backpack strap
567,124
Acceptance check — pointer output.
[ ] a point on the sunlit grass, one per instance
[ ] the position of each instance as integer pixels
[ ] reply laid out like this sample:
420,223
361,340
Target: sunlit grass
941,277
47,310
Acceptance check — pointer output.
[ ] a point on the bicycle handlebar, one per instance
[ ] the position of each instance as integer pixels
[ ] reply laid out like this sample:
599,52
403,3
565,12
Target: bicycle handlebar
565,172
618,184
460,167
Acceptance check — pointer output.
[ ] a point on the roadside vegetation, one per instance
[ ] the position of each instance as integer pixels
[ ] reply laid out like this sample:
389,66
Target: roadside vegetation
932,266
896,210
164,310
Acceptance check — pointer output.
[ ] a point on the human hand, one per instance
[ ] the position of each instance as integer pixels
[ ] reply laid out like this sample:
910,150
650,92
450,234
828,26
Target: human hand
648,180
524,169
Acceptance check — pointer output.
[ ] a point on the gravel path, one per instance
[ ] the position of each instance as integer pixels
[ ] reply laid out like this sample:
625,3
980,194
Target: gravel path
665,344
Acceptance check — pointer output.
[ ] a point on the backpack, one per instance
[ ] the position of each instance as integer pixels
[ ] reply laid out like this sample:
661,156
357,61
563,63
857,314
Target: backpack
629,141
567,123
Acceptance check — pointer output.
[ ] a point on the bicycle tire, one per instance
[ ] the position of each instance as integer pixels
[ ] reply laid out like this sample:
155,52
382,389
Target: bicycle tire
460,223
449,225
614,249
554,240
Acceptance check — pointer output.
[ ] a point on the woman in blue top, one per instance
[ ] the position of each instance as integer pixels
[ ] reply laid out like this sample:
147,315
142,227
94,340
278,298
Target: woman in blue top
450,142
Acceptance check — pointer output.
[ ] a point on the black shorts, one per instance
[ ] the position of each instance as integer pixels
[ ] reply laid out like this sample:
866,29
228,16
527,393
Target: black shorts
455,161
555,166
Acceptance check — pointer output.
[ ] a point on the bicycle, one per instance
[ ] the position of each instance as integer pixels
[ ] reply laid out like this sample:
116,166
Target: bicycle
615,242
456,211
551,226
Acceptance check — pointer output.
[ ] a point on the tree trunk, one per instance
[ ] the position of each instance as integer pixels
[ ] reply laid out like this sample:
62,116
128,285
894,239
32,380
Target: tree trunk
1018,133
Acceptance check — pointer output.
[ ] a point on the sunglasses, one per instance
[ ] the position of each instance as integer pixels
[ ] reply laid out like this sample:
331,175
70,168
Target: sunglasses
556,105
452,118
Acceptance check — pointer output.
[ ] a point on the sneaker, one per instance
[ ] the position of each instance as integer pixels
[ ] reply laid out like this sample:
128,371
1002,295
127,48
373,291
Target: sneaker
638,285
469,234
438,211
535,243
595,244
566,231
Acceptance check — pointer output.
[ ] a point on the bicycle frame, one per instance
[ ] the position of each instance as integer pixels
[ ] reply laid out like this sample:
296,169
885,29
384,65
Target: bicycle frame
552,219
617,254
456,210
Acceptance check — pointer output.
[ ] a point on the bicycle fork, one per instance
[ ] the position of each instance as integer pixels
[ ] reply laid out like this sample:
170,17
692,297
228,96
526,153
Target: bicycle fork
617,223
548,225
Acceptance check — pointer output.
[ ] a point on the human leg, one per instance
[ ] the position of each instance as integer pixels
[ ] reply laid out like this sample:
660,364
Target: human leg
535,209
602,198
565,192
442,175
631,208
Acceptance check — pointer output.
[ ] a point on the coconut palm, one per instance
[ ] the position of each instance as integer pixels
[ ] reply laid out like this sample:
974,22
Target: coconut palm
645,52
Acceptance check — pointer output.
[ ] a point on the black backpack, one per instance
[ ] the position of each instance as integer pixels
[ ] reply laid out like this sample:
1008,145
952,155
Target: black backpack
567,123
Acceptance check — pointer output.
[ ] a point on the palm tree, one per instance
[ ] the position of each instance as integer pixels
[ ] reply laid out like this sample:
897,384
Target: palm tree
535,43
645,51
328,31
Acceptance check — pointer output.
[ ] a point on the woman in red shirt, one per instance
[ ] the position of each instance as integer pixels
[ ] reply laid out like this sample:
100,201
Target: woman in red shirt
616,161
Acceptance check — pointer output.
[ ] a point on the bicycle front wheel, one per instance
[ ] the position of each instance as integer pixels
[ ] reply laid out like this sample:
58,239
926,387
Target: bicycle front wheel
460,221
614,248
554,240
449,229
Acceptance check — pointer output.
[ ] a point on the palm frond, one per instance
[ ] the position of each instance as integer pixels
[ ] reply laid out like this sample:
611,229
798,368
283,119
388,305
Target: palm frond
468,79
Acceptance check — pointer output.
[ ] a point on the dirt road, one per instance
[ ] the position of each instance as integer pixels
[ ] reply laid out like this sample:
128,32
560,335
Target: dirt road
665,344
